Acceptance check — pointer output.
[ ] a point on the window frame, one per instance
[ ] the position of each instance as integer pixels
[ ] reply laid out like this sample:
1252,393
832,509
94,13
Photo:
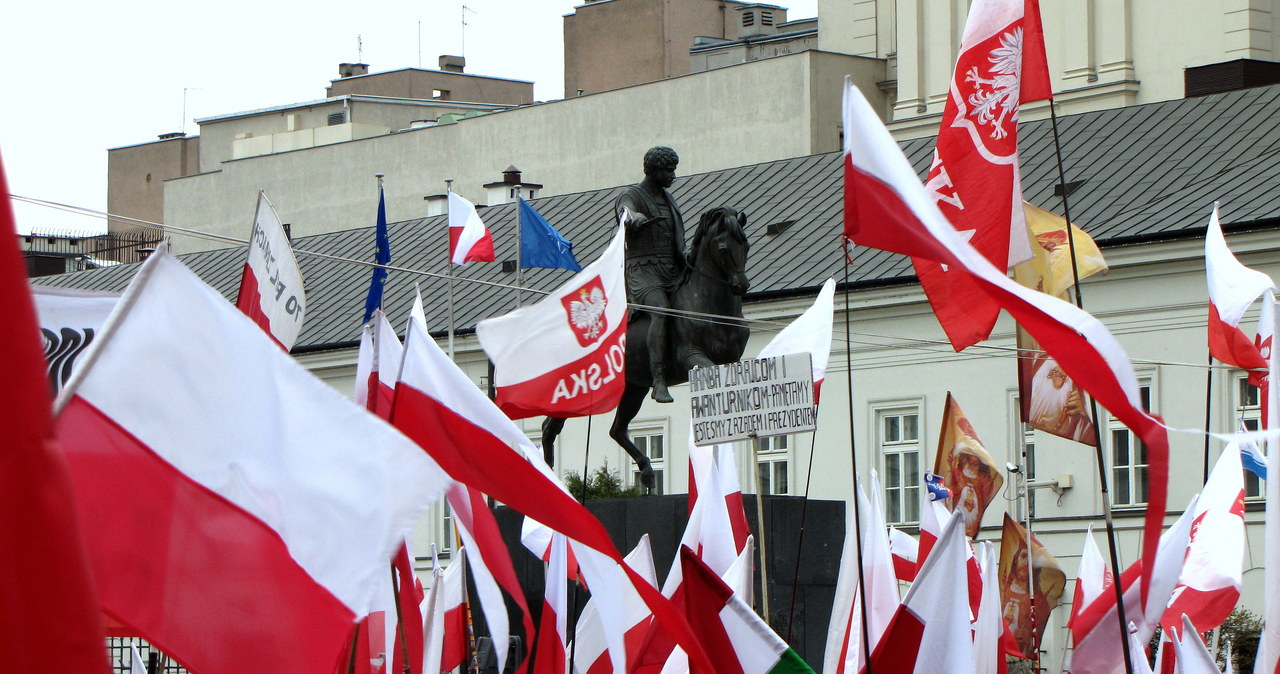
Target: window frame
1250,414
899,511
775,452
1137,475
648,430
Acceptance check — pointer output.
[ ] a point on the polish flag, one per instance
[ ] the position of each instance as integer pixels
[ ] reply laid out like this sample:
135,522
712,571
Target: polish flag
537,539
445,618
1209,586
1092,579
1262,340
1233,287
932,516
989,625
271,291
476,444
409,596
549,654
469,240
377,365
563,356
714,527
278,502
905,551
844,651
886,207
810,333
591,650
930,632
1097,648
700,464
974,179
51,619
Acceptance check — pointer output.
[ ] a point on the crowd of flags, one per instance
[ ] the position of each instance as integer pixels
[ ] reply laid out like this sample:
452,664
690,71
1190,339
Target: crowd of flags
231,508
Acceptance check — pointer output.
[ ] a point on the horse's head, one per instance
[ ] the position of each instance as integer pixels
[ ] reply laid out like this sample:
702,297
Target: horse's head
721,244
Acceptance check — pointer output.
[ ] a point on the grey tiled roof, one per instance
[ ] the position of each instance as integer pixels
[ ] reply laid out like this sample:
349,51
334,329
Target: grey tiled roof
1149,172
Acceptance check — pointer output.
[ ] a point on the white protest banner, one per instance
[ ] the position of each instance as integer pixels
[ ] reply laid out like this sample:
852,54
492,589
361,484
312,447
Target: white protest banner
759,397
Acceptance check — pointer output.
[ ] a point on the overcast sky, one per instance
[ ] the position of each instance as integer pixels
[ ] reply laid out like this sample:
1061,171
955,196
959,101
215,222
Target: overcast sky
81,77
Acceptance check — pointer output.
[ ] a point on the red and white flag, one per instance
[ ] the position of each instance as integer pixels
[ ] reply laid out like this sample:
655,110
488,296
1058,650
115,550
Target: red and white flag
906,552
549,653
844,652
711,531
469,240
1092,579
886,207
1262,340
1209,586
810,333
1193,655
591,649
445,618
989,625
1097,648
702,461
271,291
930,632
51,619
975,179
477,445
563,356
377,365
1233,288
281,503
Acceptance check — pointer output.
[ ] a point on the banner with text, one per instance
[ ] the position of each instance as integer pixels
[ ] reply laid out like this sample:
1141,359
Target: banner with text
761,397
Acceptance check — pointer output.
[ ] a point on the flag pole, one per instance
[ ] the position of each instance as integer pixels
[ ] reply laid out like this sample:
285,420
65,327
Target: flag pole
398,587
1208,407
1093,408
448,188
853,461
519,252
764,568
804,511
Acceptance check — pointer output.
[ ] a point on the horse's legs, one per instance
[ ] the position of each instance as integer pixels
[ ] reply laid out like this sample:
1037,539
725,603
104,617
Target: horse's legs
551,427
628,408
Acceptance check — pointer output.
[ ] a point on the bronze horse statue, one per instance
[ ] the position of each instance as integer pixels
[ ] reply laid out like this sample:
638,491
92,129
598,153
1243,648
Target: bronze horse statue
714,284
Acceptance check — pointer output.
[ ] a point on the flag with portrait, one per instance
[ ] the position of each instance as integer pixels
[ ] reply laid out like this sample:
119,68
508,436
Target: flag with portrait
967,470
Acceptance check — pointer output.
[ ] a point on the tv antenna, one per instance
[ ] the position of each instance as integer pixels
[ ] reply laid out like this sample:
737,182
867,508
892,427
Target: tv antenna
465,9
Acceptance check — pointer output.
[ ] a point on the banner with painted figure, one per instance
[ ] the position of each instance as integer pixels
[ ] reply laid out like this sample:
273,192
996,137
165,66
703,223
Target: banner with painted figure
564,355
1027,598
69,322
967,470
1050,400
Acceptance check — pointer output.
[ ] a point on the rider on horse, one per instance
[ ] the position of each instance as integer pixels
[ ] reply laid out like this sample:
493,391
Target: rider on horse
656,258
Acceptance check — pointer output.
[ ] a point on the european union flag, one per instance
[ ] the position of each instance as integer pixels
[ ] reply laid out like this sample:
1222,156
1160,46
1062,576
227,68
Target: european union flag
381,255
541,245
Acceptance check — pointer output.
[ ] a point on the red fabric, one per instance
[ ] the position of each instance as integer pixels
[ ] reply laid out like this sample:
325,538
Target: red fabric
380,397
192,548
49,613
549,655
702,595
1229,344
876,216
905,569
455,648
473,456
896,652
410,596
249,301
481,252
1035,84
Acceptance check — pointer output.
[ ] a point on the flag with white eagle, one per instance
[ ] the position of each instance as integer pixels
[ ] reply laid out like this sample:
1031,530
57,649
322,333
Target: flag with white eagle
563,356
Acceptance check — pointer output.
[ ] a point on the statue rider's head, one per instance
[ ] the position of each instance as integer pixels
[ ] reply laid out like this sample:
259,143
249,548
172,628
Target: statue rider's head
660,165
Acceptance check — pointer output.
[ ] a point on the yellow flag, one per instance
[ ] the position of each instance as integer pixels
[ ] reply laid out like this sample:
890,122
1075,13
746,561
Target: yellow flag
1049,269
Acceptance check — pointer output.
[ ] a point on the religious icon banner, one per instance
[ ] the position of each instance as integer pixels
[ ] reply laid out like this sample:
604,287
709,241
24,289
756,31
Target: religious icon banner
1027,600
967,470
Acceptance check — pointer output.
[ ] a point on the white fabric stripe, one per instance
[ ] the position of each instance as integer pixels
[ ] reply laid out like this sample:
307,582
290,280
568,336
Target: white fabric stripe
1232,286
229,409
809,333
462,214
757,647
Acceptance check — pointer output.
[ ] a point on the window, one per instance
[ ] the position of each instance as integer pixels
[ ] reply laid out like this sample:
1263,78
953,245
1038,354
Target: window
899,443
653,445
1129,458
1248,413
774,465
444,546
336,118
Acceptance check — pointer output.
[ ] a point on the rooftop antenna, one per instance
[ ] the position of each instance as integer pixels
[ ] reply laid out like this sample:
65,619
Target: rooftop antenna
359,48
465,9
183,126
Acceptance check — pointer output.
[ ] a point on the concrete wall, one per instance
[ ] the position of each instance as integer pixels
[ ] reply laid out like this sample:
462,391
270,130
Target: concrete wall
136,176
418,83
781,107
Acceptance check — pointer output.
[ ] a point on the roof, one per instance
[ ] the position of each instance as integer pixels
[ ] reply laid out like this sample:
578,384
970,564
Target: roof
1149,172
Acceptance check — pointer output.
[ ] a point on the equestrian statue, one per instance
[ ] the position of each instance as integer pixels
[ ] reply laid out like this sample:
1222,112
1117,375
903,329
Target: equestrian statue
686,307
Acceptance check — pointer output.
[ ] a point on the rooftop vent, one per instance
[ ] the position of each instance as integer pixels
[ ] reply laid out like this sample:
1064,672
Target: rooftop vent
452,64
1060,190
352,69
1218,78
171,135
778,227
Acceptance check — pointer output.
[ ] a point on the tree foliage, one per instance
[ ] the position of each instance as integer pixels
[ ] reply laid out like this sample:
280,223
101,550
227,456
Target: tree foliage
602,483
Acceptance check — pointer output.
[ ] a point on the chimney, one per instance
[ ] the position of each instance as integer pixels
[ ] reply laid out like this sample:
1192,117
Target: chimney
756,19
346,70
504,191
452,64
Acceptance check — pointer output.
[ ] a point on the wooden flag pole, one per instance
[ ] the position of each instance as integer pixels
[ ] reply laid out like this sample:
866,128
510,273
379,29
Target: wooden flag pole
1093,409
853,460
397,588
760,521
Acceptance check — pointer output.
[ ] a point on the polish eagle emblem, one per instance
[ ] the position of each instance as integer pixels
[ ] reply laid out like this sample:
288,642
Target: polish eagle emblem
585,309
995,98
